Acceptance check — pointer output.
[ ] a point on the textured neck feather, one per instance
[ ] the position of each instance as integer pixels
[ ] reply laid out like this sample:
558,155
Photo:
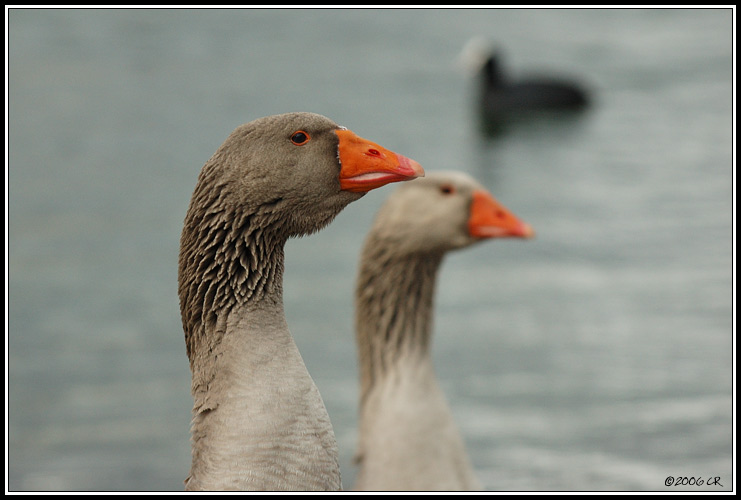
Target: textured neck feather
394,304
408,439
259,422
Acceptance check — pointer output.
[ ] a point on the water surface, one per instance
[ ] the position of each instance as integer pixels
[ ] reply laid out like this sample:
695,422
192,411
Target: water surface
597,356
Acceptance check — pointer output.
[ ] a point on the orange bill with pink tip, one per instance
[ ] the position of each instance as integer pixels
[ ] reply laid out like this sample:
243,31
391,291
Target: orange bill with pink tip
364,165
490,219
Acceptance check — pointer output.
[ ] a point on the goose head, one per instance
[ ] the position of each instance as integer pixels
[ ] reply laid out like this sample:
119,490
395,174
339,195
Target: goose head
442,212
302,168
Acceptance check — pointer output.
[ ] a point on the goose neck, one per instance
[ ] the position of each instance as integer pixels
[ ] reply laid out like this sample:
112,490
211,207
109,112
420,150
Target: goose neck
394,307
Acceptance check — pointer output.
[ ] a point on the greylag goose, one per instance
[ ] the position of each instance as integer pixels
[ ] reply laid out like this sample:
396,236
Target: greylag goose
259,422
408,439
501,100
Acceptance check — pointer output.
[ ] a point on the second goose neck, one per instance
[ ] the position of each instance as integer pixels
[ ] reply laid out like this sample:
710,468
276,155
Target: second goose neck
394,308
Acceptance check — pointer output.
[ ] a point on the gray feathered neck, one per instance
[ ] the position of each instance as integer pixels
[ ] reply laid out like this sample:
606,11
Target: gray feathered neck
394,306
230,254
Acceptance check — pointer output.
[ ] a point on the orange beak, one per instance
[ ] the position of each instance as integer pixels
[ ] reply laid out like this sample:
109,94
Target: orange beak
490,219
364,165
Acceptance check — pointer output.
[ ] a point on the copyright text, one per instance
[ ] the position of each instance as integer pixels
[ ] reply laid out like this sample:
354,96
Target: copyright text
692,481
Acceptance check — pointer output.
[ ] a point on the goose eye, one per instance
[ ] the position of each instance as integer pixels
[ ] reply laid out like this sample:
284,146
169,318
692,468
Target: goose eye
447,189
299,138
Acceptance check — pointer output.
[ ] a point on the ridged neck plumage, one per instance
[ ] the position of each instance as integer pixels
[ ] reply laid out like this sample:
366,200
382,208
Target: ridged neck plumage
231,256
394,307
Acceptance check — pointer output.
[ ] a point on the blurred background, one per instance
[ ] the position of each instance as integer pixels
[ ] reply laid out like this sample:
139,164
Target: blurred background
598,356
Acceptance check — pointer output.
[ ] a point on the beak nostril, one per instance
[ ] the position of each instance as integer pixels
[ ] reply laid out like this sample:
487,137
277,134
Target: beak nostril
500,214
374,152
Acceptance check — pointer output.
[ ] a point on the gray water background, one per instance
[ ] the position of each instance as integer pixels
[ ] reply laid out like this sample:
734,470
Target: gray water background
598,356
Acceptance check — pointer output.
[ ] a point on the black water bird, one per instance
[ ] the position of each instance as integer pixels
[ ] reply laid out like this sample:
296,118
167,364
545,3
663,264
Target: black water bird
501,101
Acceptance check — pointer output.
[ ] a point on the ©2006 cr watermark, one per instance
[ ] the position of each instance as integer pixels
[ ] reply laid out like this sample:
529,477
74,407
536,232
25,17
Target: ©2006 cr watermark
692,481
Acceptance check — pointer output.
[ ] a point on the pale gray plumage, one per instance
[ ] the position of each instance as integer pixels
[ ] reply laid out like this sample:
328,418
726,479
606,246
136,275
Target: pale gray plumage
408,439
259,422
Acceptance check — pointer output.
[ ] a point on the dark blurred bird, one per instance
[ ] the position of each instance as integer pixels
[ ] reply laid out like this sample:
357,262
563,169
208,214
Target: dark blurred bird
501,101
